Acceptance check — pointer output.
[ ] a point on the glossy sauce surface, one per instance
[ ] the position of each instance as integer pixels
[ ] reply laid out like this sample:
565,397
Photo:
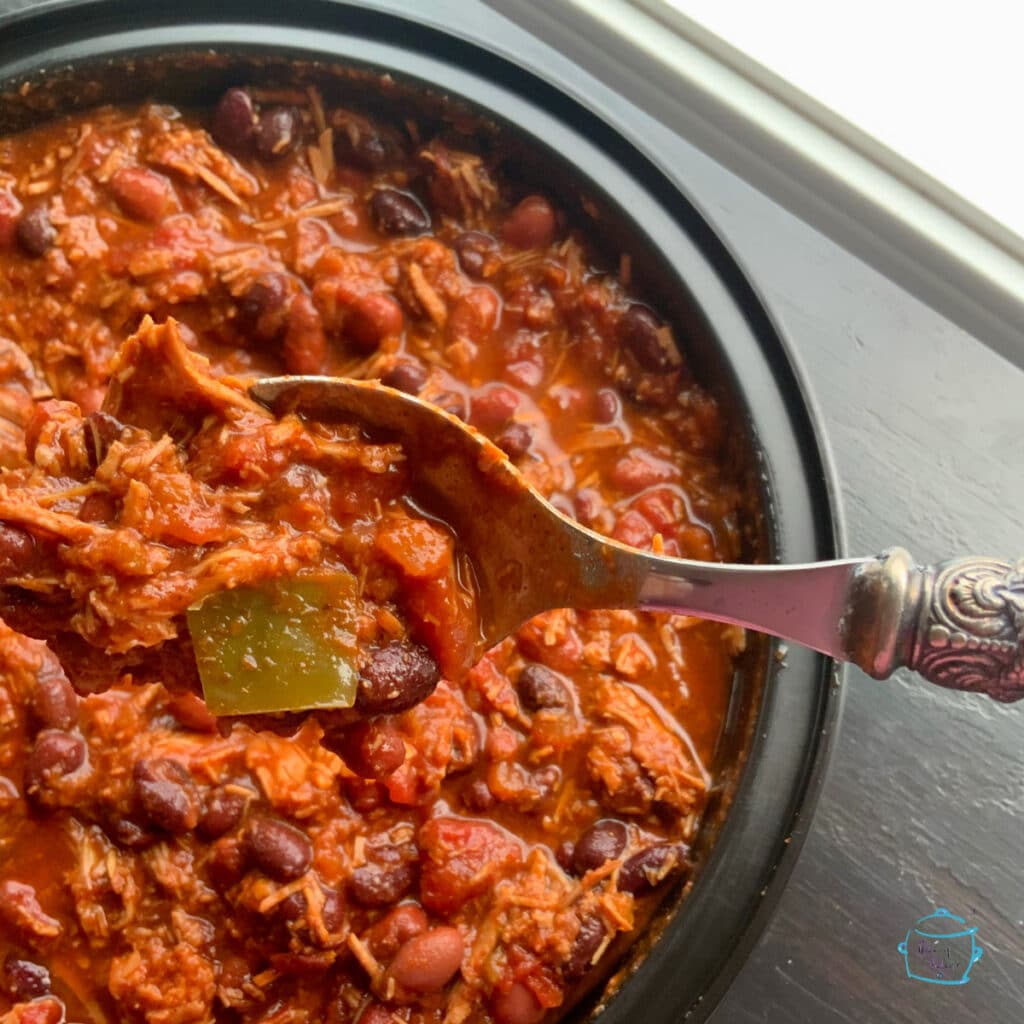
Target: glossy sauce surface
469,857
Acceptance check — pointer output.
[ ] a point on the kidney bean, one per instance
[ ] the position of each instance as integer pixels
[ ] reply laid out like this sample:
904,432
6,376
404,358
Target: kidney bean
141,193
645,870
540,687
278,849
376,1014
396,677
10,211
332,913
606,406
364,795
373,318
398,213
381,885
603,841
588,941
634,529
515,440
17,551
530,224
427,962
472,249
305,345
517,1005
24,980
222,811
371,749
35,232
191,711
54,703
277,132
396,928
48,1010
407,376
263,307
301,965
101,431
493,407
54,755
640,331
477,796
166,794
225,864
234,121
98,507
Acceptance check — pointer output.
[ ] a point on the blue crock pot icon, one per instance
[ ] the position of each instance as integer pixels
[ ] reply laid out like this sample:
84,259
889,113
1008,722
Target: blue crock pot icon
941,949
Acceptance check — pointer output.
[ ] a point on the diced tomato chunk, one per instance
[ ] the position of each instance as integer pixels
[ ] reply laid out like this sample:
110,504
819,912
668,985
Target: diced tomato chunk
462,859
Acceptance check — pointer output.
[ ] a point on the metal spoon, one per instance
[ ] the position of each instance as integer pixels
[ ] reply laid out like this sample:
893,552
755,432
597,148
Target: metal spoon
960,623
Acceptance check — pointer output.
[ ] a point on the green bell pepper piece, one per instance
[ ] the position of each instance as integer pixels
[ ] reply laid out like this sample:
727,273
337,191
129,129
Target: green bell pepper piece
284,645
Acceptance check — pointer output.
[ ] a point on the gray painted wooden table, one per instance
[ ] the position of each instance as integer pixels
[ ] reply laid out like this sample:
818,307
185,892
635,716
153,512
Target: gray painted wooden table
924,803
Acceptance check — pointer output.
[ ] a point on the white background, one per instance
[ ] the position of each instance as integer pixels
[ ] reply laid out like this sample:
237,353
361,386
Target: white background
940,83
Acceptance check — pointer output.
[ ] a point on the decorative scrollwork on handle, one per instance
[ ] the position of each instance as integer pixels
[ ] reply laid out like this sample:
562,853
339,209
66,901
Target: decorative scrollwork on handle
971,631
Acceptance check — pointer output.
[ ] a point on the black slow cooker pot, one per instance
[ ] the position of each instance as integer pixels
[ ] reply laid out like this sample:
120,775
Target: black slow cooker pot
771,757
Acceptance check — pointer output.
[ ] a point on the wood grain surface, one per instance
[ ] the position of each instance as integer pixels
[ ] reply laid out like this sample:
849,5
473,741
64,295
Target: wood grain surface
924,803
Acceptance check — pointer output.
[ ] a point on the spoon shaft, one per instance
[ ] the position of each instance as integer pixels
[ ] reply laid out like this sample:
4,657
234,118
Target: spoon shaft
960,623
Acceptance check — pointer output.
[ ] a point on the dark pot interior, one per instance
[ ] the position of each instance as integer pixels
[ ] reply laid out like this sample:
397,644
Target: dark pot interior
773,748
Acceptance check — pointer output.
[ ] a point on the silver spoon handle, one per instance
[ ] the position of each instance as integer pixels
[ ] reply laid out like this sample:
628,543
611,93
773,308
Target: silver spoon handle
960,623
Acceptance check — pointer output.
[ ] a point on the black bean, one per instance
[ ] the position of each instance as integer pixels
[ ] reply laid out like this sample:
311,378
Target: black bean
540,687
263,307
278,132
278,849
381,885
129,833
24,980
36,232
54,703
17,551
398,213
645,870
101,431
371,749
396,677
370,148
453,403
472,249
563,854
166,794
225,864
406,376
603,841
606,406
54,755
222,811
640,331
515,440
234,121
588,941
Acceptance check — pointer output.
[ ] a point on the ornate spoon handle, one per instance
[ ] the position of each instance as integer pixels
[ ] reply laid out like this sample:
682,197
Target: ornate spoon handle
960,623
